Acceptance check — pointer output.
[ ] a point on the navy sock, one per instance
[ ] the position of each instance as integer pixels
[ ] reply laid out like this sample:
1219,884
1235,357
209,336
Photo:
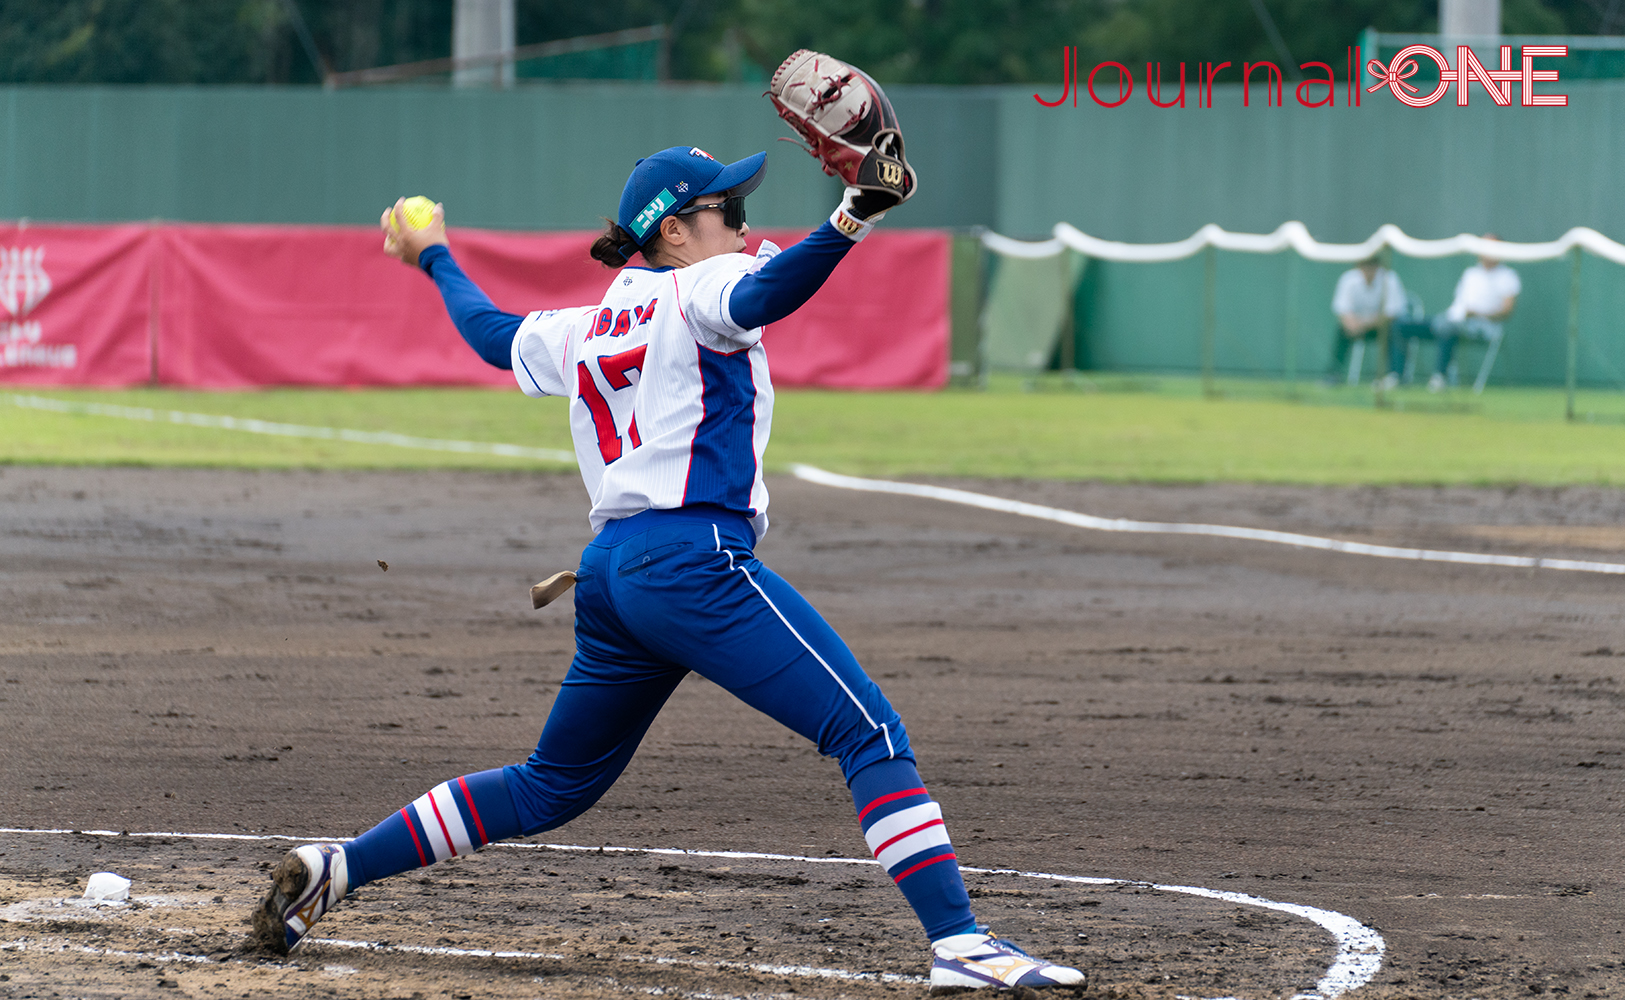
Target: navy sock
906,835
455,817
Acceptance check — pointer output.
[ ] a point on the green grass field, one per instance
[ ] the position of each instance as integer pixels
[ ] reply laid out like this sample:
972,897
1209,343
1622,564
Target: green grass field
1114,429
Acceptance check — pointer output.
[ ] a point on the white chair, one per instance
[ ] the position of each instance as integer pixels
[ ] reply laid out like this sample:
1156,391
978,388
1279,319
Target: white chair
1413,311
1491,335
1356,360
1488,332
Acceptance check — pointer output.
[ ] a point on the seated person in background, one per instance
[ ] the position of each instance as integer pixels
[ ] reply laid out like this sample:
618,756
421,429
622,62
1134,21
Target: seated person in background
1485,296
1366,295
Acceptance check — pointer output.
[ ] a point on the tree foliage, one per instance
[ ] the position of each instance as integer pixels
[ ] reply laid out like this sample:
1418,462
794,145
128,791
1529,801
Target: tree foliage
914,41
210,41
135,41
924,41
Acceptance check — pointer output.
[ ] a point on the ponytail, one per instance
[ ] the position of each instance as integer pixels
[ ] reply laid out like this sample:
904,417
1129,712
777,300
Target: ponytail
615,247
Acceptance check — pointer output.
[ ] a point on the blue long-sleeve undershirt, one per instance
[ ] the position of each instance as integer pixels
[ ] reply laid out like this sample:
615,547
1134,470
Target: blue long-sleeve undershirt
488,330
788,280
780,288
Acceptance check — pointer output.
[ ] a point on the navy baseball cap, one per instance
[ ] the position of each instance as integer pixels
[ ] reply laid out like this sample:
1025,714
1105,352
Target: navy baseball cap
663,183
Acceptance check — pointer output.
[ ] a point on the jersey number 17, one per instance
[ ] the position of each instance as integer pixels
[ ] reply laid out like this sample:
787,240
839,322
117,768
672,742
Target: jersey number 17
614,368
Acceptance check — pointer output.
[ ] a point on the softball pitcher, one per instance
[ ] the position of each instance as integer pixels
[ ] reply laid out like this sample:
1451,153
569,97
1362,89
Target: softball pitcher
671,406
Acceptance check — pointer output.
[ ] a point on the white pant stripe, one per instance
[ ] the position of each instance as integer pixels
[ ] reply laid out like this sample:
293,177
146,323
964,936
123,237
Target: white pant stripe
890,750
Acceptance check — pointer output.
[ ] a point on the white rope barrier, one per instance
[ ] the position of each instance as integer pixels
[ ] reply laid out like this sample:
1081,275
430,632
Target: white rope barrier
1295,236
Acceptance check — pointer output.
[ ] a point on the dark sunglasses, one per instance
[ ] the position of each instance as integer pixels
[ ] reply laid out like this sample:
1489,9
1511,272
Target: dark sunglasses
733,211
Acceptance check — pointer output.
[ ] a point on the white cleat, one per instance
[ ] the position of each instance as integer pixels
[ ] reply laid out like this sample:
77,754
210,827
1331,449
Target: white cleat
305,884
983,961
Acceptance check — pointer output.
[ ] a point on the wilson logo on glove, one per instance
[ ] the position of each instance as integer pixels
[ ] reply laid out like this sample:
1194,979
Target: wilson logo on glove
848,123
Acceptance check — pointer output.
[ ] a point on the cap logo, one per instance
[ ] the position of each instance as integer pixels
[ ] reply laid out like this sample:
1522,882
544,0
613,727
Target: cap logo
644,220
682,187
697,151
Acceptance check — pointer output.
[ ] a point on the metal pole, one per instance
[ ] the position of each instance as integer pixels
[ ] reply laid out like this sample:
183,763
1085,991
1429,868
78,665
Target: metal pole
1209,319
1074,265
1069,349
1291,332
483,29
985,278
1384,322
1574,334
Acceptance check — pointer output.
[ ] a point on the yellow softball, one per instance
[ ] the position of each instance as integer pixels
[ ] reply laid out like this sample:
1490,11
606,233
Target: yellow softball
418,212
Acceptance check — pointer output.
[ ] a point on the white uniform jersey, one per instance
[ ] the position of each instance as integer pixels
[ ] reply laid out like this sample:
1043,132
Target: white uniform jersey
1356,297
1483,291
670,401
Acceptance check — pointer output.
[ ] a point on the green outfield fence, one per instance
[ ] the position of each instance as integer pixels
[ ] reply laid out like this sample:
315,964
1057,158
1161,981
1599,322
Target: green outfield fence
554,155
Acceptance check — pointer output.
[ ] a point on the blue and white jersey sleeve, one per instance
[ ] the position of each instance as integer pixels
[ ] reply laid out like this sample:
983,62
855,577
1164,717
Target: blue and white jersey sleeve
541,350
705,292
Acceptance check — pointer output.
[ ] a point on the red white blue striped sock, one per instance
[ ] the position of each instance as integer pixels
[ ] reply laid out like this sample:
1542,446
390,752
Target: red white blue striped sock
453,818
906,834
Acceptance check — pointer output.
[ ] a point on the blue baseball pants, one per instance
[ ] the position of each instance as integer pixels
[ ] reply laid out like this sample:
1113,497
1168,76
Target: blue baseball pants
660,594
666,592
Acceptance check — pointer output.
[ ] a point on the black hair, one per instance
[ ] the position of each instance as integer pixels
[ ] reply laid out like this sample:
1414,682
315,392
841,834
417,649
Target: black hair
615,247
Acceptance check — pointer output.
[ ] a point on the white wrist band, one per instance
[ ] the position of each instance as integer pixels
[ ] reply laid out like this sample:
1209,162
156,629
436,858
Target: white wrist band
852,227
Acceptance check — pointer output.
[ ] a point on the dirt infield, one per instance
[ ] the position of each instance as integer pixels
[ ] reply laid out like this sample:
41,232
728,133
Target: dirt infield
1433,751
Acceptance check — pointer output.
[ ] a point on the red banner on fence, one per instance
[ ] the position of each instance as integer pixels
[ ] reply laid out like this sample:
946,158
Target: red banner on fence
245,306
292,305
879,322
74,305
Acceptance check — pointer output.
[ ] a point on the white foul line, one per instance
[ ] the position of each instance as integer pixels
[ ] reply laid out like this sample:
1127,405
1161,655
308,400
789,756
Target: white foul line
253,426
1359,948
813,474
1076,520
